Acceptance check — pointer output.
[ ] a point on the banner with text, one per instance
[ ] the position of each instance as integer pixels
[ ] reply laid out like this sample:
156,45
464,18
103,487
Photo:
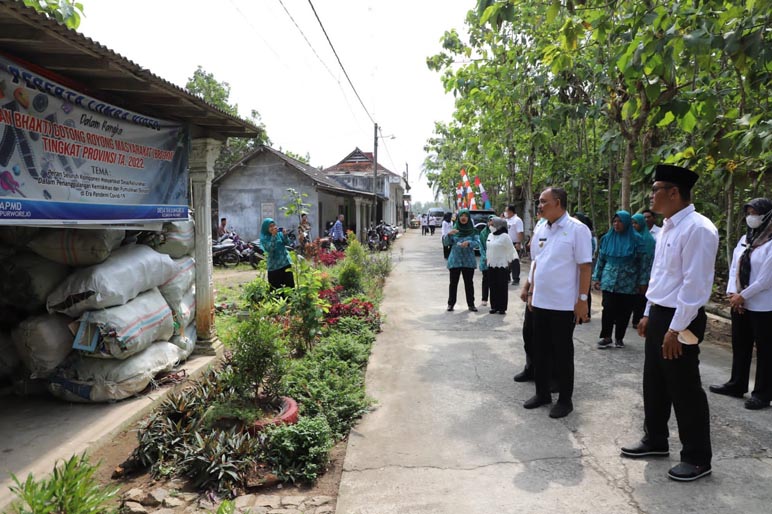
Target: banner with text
69,158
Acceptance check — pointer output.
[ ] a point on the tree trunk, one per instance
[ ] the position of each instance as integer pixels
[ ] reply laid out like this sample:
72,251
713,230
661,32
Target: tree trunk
729,220
528,211
627,173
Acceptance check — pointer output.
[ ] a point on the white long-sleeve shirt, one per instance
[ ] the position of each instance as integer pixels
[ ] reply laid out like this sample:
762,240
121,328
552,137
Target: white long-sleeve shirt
684,266
499,250
758,294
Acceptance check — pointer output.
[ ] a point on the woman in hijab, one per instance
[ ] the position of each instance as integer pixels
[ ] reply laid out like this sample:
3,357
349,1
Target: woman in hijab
276,255
639,224
447,226
462,240
483,263
750,296
500,253
620,273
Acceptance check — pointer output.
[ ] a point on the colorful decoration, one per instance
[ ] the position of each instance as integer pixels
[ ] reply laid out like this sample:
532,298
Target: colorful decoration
483,193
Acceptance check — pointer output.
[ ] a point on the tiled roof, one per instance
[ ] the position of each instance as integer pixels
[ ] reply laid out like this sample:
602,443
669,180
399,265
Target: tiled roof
358,162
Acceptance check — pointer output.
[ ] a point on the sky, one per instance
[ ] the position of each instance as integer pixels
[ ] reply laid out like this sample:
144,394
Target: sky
302,95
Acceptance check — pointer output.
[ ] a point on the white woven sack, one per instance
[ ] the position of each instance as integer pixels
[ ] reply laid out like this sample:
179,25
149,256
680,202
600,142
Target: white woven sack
94,380
178,238
43,342
126,273
76,247
187,341
185,311
180,283
128,329
9,358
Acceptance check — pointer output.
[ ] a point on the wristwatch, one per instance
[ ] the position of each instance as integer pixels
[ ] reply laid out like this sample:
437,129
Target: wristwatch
583,297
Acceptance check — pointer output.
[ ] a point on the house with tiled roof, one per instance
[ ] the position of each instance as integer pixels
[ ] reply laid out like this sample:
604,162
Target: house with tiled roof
257,186
357,172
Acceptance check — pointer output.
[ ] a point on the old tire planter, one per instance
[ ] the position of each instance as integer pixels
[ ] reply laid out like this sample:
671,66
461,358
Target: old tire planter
288,415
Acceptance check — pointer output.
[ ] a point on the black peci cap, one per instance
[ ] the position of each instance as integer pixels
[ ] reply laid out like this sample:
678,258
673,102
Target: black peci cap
675,175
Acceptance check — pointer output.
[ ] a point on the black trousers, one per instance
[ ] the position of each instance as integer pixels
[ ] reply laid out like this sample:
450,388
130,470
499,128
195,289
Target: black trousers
675,383
617,308
638,308
485,285
281,278
514,268
431,229
455,274
498,280
528,338
554,352
748,328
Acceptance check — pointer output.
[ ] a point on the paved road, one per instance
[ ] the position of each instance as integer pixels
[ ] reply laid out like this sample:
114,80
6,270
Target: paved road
450,435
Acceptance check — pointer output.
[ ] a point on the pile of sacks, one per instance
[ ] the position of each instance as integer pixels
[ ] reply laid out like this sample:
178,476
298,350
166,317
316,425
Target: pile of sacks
97,316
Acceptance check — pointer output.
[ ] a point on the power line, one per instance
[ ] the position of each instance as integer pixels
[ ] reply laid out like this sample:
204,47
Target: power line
257,32
308,42
339,62
387,150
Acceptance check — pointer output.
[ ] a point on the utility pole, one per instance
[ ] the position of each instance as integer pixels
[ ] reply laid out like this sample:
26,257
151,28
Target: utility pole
375,173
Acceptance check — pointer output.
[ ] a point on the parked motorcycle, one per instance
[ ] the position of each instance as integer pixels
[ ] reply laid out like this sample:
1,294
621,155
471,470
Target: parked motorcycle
253,253
224,252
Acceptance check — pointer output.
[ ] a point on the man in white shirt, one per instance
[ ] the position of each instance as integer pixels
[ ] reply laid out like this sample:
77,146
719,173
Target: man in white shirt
537,243
562,269
674,323
515,230
651,222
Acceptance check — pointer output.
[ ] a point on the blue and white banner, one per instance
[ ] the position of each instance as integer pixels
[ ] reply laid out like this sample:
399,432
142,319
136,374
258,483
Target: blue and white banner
68,158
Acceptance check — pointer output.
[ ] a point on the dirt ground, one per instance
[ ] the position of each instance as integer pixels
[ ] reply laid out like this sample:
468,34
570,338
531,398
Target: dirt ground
113,454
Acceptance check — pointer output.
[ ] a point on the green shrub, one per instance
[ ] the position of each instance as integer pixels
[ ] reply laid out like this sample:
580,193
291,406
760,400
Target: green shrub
299,452
259,359
72,489
257,291
219,459
380,265
350,277
356,253
353,325
343,347
334,389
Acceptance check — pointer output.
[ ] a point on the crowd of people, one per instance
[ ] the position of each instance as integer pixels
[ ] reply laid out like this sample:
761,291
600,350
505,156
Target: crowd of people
656,278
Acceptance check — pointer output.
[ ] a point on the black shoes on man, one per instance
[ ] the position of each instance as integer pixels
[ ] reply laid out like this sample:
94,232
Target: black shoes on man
643,449
681,472
727,390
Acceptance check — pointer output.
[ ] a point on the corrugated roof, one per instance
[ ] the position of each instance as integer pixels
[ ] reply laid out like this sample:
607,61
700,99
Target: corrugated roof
315,174
102,73
358,162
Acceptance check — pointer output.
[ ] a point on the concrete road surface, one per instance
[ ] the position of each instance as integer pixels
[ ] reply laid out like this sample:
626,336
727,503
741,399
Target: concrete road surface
450,435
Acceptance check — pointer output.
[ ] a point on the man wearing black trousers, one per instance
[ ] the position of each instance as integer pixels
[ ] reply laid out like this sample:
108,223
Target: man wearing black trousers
673,325
515,230
562,269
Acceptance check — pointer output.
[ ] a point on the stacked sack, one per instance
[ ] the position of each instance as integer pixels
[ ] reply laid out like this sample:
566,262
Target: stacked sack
109,324
34,263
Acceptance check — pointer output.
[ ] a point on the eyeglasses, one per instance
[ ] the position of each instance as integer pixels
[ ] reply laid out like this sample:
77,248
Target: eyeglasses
654,189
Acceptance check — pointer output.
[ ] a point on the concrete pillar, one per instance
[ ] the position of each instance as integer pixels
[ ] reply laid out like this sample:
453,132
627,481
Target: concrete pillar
203,154
358,215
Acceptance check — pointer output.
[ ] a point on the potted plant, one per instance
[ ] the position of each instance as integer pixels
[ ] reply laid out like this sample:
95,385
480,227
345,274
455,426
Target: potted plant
253,375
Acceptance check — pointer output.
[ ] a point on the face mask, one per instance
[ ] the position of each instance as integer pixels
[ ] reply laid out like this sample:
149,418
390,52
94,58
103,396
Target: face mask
754,220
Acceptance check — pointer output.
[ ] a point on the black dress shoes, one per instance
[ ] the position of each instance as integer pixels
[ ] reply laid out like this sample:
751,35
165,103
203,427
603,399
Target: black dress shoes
473,308
756,403
685,472
561,409
643,449
726,390
537,401
524,376
450,308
